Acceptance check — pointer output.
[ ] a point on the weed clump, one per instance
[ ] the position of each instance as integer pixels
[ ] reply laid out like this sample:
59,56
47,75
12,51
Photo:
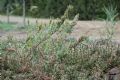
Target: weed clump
50,54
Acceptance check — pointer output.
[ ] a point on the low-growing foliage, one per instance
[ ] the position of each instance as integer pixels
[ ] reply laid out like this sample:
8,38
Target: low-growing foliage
6,26
50,53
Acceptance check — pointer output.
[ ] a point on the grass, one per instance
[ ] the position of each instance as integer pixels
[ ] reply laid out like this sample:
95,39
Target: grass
6,26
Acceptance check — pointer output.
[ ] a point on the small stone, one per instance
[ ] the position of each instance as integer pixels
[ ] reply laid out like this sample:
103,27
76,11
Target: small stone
113,74
114,71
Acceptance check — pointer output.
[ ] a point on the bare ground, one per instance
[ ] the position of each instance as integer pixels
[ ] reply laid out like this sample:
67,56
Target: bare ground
93,29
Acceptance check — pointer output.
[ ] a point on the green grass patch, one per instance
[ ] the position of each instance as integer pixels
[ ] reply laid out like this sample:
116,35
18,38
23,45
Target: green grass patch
6,26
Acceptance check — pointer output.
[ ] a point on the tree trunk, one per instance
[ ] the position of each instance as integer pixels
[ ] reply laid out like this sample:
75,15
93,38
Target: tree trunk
8,13
24,12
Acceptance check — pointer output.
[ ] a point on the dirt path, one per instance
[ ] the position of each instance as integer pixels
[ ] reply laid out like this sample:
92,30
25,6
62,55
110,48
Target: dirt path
90,28
19,20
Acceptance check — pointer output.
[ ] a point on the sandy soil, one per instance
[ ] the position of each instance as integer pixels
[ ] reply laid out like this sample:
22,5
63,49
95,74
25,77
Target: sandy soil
90,28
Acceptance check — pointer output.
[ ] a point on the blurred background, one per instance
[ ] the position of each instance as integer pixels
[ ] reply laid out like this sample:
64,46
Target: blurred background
88,9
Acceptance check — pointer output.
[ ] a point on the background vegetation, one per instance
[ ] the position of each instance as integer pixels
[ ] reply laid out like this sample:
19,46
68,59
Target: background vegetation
88,9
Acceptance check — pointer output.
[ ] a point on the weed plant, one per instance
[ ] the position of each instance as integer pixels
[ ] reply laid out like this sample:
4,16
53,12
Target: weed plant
49,53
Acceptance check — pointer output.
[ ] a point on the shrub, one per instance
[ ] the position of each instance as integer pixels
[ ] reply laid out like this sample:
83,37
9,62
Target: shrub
49,53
